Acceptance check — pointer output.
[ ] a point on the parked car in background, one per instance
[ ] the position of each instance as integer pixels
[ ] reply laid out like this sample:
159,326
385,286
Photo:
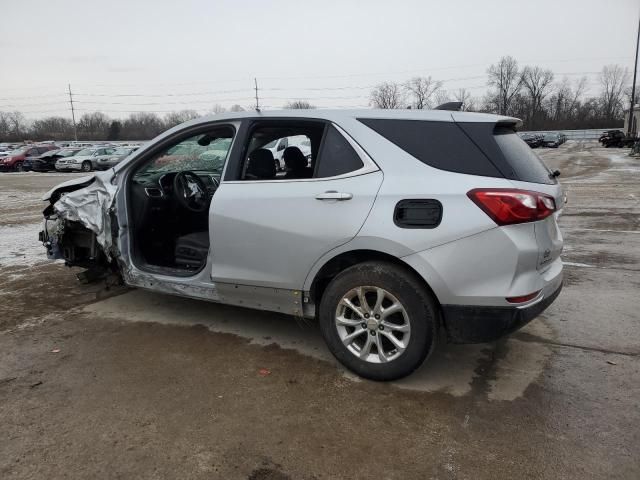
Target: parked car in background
615,139
85,160
551,140
5,148
533,140
15,159
46,162
407,228
119,154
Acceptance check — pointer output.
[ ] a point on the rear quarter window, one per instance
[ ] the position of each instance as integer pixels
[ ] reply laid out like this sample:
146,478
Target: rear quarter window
336,156
441,145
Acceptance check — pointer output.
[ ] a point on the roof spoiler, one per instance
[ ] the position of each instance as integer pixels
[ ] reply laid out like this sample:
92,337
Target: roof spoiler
451,106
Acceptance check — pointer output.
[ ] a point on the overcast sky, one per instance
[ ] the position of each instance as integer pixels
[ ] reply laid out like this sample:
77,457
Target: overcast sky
158,55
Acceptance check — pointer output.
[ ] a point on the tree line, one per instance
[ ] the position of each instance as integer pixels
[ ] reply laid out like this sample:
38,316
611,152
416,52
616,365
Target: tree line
530,93
15,127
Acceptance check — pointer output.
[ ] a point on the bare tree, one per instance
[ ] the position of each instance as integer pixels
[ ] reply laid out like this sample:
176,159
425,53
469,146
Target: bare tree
462,95
441,96
217,109
13,126
507,81
387,95
421,90
537,84
236,108
176,118
613,79
141,126
563,103
52,128
298,105
94,126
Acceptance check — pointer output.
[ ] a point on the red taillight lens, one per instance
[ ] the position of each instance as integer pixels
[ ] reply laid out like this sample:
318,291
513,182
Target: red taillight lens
523,298
509,206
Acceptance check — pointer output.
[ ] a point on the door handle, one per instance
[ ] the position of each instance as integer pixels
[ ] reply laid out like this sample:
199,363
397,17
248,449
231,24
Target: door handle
333,195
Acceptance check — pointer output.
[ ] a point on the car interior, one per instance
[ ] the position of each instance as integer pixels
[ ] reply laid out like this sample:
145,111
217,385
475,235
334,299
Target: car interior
170,194
170,198
297,145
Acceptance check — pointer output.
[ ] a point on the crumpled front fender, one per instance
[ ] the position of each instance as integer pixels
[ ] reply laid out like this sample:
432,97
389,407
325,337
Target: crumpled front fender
90,206
68,185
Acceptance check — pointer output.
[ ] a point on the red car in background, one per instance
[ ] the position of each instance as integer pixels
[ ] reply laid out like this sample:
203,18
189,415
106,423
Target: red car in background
14,160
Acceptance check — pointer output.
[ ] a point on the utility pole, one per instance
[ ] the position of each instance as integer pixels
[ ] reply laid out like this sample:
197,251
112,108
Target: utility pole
257,101
633,86
73,115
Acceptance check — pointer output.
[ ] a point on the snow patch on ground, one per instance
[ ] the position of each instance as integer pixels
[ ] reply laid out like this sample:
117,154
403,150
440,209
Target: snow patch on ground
576,264
20,245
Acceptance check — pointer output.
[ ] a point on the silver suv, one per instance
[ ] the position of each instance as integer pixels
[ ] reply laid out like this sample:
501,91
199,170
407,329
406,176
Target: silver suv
399,228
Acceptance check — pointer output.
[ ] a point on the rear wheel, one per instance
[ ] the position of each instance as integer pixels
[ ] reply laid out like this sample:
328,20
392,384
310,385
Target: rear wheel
18,167
378,320
86,166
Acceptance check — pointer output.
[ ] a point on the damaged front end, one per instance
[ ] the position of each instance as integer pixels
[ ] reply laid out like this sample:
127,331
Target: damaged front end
79,225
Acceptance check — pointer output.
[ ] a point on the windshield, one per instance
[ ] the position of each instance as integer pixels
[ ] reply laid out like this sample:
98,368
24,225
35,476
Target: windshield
18,151
122,151
550,136
86,151
190,155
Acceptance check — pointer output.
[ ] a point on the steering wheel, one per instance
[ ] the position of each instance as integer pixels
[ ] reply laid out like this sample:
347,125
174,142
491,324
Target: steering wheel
190,191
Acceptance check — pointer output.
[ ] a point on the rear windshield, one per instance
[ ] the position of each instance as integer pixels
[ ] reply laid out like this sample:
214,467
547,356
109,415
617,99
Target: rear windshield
526,164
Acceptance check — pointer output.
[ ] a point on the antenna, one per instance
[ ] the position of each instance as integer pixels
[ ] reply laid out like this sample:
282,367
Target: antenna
73,115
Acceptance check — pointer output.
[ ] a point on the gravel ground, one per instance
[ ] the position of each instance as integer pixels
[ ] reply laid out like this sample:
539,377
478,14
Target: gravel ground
118,383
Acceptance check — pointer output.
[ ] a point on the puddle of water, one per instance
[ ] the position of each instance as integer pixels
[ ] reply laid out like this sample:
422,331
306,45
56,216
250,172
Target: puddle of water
451,369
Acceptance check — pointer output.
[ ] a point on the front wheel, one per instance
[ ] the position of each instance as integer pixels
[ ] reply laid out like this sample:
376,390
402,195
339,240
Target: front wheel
378,320
86,166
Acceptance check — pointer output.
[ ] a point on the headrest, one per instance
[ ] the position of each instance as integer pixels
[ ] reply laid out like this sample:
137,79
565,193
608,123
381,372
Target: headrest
261,164
294,159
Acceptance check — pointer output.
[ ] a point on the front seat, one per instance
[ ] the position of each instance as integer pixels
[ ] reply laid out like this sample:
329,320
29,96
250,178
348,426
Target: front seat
262,165
296,163
192,250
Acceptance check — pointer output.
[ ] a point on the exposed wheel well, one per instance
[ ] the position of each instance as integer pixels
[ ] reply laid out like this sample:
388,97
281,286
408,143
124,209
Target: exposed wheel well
347,259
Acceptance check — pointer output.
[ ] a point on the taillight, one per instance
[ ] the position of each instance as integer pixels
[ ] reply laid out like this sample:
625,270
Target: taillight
523,298
508,206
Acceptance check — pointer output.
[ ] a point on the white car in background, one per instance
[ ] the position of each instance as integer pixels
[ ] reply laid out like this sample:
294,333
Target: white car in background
85,160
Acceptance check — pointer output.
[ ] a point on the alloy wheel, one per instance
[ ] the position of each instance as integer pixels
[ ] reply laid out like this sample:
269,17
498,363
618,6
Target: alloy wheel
372,324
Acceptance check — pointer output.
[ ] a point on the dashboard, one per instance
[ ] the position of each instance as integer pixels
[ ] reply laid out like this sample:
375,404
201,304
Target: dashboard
160,184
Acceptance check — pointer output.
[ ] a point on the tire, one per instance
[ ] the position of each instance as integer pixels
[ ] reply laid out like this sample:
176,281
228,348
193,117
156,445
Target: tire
18,167
420,313
86,166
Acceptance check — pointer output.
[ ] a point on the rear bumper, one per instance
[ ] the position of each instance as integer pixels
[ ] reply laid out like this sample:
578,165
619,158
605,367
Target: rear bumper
479,324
